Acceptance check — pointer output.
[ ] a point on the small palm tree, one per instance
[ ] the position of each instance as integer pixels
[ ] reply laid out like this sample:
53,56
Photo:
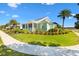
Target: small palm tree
77,23
63,14
77,17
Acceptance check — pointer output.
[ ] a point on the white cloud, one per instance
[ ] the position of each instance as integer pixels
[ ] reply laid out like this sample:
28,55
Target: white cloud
15,16
70,17
14,5
2,12
73,14
48,3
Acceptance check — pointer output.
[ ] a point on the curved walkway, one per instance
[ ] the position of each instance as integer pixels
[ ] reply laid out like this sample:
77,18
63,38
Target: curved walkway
38,50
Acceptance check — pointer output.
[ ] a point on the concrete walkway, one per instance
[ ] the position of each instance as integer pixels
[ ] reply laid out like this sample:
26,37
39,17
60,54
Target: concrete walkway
36,49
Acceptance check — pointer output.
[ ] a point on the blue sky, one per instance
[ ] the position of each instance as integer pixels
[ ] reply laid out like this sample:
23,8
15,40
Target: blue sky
26,12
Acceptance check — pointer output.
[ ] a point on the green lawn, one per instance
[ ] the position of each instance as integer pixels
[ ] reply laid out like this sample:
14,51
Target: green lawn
63,40
4,51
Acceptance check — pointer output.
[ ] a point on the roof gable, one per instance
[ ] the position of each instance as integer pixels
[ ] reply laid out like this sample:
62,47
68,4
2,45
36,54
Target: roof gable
42,19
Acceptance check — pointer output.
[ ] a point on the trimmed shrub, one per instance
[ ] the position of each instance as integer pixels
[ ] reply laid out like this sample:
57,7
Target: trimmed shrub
34,43
37,43
51,30
15,30
24,31
53,44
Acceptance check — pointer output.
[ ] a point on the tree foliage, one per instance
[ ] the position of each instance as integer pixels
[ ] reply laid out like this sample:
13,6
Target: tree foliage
13,22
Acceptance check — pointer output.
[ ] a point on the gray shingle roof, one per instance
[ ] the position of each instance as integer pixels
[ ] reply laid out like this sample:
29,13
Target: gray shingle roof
39,18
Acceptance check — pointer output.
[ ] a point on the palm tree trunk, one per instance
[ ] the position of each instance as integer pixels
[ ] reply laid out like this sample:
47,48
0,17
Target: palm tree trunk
63,23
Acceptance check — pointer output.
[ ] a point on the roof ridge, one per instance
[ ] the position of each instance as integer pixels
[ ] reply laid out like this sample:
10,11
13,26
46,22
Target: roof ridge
40,18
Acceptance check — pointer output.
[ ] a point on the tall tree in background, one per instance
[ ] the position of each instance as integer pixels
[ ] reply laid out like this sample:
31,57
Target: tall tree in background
63,14
13,22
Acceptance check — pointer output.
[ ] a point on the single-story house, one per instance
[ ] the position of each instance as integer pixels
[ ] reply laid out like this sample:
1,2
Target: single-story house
40,24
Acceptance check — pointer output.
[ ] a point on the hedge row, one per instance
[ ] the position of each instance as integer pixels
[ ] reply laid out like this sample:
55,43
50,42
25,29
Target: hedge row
44,43
51,32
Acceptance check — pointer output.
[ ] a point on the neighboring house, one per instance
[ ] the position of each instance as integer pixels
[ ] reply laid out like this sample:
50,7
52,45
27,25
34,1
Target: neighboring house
13,26
41,24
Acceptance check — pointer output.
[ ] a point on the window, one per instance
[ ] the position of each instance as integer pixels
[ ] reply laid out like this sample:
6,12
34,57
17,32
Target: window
23,26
